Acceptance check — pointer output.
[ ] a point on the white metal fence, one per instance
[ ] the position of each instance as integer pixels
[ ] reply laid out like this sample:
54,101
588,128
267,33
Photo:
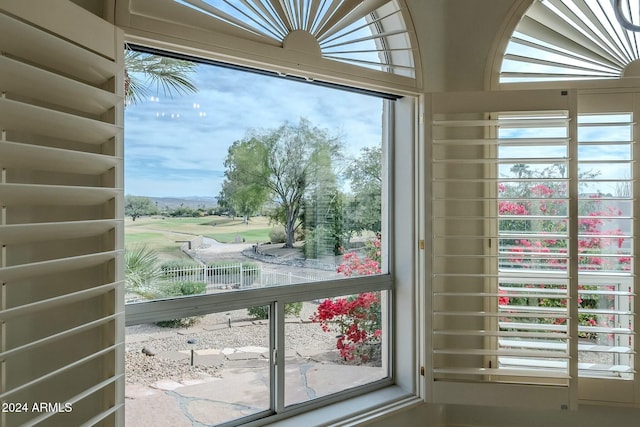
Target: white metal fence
236,276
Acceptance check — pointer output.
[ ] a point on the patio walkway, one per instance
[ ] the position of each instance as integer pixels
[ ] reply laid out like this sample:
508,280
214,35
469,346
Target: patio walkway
242,389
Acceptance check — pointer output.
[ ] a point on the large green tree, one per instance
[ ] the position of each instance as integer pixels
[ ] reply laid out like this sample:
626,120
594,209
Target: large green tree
365,203
281,165
137,206
242,199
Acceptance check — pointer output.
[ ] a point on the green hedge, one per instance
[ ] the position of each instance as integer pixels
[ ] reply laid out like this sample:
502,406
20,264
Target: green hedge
262,311
169,268
222,268
177,289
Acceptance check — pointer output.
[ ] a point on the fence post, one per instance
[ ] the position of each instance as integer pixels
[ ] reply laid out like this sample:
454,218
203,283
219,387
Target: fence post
241,276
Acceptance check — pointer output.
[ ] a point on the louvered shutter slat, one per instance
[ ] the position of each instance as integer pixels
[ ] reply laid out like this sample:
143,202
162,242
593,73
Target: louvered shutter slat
54,159
61,139
21,117
475,268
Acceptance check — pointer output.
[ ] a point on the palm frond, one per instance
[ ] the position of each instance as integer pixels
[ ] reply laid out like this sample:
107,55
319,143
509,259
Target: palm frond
142,274
170,76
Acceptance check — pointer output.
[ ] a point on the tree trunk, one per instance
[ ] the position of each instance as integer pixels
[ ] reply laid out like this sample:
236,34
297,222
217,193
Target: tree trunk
289,229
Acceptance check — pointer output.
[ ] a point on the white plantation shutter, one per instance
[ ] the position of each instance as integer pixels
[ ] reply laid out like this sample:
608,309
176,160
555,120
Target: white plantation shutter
534,245
479,349
61,302
607,226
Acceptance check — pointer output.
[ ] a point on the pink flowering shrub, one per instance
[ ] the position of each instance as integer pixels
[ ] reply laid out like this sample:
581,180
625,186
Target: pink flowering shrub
600,246
356,319
352,265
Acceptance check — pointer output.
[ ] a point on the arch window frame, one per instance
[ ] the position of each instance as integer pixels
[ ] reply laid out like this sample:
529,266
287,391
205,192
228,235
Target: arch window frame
168,25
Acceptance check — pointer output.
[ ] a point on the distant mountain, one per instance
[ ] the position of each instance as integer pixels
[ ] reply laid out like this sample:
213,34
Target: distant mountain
193,202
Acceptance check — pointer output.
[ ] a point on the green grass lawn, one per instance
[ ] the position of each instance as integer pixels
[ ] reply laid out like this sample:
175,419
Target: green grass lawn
165,235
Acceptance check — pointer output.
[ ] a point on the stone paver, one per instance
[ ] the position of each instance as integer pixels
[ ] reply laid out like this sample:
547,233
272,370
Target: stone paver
209,360
212,413
253,393
168,385
173,355
252,363
243,356
156,410
243,388
296,389
327,378
137,391
253,349
208,352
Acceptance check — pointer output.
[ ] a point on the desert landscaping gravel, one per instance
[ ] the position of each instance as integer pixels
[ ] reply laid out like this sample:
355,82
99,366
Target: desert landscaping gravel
212,332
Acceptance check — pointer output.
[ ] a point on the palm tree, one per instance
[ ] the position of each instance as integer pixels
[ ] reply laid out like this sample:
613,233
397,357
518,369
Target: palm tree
142,274
169,75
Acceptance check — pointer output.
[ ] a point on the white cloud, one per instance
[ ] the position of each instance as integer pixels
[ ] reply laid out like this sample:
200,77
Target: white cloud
177,146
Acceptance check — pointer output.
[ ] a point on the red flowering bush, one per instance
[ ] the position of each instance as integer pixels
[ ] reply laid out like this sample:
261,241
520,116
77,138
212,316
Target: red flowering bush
356,319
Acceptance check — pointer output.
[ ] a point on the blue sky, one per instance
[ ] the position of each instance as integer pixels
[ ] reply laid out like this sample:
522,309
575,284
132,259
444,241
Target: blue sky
177,146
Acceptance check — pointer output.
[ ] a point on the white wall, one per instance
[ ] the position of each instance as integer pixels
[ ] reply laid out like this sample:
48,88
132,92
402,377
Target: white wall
455,40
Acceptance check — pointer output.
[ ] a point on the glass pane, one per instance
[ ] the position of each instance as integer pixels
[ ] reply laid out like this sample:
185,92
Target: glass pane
525,152
521,170
603,152
216,202
605,246
340,344
207,369
605,329
533,253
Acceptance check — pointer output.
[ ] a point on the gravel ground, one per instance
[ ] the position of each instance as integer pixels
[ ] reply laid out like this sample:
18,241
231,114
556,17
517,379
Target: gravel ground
212,332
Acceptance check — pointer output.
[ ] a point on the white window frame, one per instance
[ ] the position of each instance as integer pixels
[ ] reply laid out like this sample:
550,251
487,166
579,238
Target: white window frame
400,137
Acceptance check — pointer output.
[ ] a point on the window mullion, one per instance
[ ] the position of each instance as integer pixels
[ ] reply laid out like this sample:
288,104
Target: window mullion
636,232
277,356
573,251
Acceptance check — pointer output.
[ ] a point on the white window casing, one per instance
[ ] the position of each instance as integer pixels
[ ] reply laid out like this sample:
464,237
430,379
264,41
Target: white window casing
61,301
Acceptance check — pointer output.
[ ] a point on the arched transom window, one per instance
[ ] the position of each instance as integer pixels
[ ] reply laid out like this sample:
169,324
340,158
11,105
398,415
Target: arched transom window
573,40
370,33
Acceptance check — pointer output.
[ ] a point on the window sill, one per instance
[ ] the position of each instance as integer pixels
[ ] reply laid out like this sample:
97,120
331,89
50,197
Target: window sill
355,411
